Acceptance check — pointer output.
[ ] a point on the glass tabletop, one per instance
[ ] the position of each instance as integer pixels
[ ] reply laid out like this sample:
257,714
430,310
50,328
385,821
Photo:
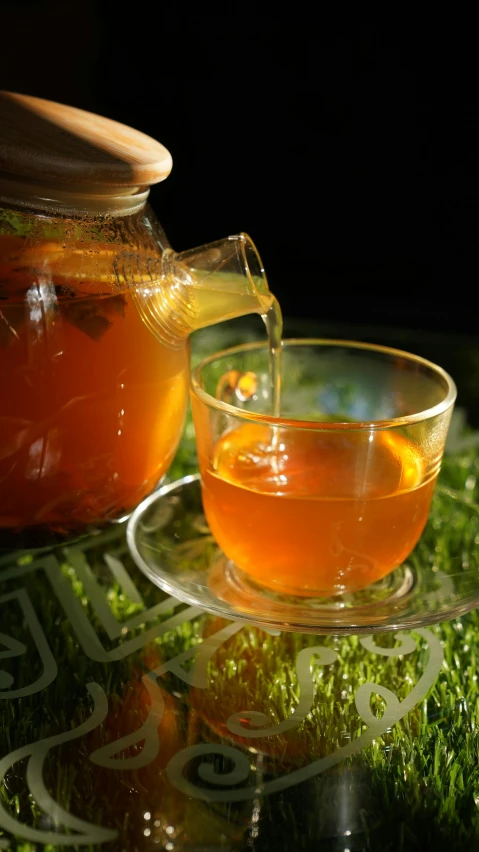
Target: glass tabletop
132,721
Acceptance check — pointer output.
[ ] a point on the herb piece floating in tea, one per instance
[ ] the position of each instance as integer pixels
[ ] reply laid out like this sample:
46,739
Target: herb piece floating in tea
94,316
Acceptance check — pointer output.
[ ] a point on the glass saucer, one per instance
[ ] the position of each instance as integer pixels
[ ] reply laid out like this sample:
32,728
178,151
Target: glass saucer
170,541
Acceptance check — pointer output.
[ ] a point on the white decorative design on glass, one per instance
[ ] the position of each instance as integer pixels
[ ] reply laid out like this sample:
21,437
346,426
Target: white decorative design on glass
84,832
148,732
323,657
407,646
115,629
395,710
14,648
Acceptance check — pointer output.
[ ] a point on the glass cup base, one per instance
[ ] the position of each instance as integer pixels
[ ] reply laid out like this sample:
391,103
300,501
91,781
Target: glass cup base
229,583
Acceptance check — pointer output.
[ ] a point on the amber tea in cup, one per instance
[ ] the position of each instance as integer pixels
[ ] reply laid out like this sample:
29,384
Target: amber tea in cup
334,493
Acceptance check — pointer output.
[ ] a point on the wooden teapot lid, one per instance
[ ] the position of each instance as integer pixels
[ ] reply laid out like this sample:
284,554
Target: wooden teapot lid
52,143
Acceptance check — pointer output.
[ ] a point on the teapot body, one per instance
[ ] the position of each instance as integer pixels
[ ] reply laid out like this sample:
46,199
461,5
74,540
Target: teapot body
91,403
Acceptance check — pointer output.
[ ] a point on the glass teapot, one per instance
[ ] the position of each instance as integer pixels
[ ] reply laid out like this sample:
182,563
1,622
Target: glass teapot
95,313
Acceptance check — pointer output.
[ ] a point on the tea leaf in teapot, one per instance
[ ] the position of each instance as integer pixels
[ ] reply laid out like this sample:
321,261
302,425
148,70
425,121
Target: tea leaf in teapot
94,316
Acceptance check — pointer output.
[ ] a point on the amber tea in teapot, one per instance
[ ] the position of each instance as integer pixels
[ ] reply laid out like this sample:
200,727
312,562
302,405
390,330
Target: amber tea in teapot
91,403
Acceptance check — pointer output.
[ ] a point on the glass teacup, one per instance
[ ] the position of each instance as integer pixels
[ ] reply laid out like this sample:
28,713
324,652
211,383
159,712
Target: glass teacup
334,493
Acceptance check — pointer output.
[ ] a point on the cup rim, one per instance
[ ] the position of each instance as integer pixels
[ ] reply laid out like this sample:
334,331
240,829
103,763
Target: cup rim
257,417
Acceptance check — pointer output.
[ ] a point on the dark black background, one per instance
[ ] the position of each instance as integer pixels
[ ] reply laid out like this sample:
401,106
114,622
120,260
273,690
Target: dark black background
348,152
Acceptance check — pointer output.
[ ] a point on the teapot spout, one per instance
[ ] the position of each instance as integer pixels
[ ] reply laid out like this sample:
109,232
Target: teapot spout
224,279
204,286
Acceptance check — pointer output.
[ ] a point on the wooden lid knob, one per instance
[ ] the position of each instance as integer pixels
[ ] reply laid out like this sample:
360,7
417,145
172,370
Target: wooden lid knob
53,143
